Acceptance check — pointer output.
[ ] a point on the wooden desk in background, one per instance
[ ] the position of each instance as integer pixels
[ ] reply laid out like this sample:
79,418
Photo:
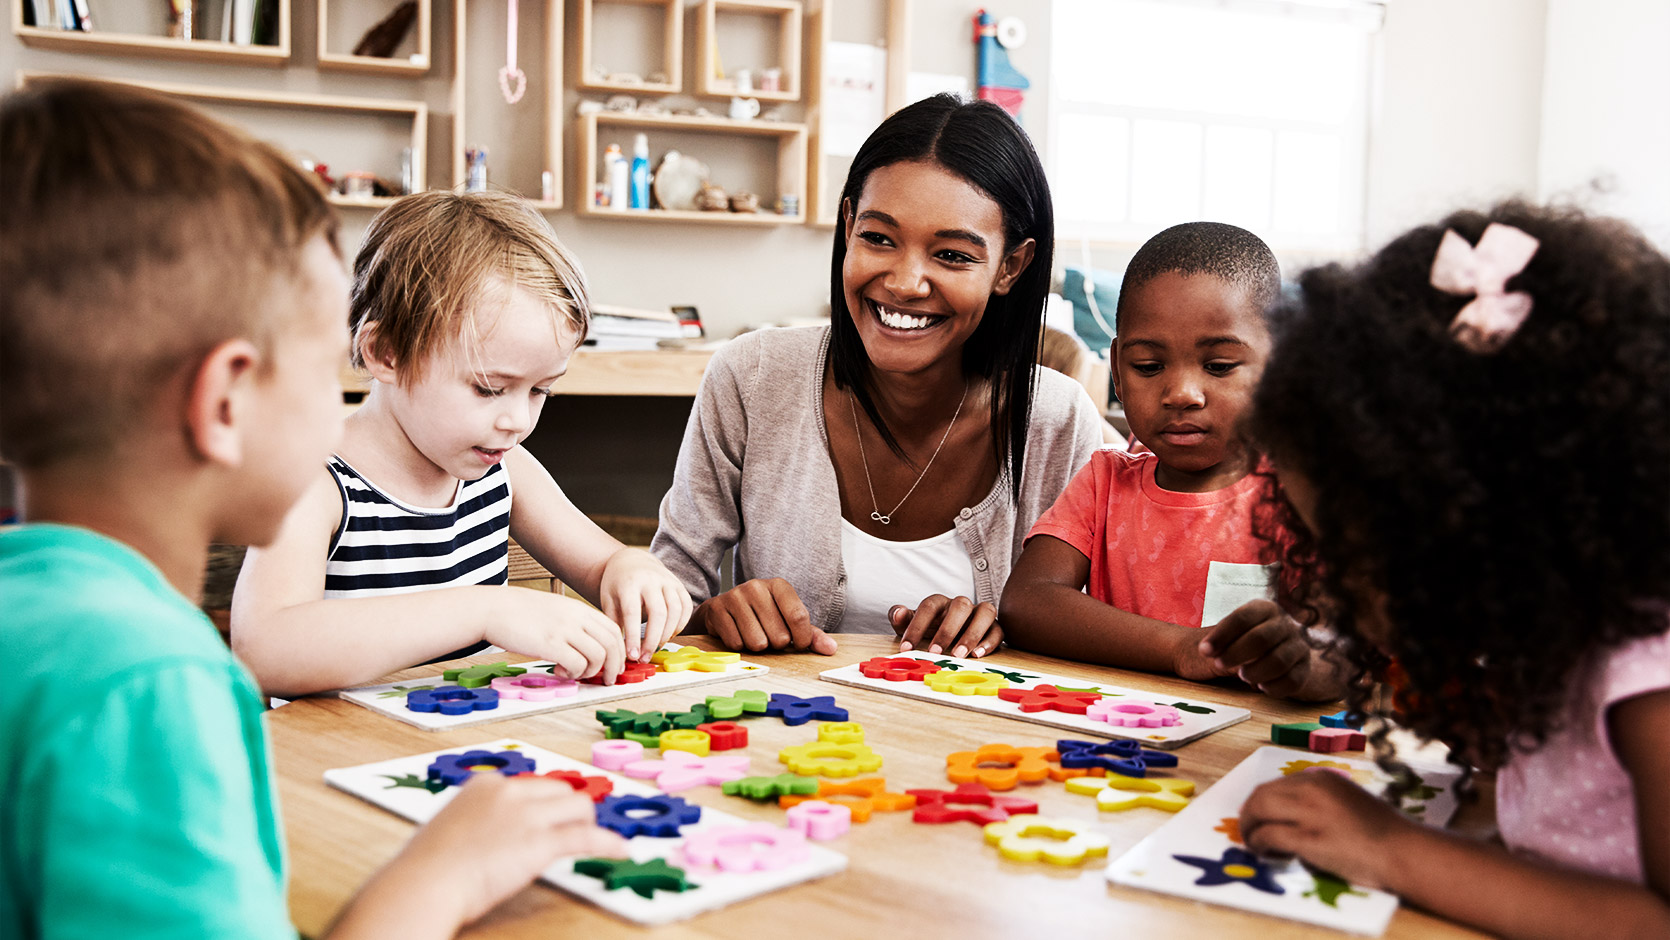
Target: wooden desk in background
657,372
904,880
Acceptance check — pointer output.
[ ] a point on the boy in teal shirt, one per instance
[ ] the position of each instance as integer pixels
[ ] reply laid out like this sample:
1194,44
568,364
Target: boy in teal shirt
173,312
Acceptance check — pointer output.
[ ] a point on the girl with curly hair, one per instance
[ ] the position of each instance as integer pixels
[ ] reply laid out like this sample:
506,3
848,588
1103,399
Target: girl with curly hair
1473,433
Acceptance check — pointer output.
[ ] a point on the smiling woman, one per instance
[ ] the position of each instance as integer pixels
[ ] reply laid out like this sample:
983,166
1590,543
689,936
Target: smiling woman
877,474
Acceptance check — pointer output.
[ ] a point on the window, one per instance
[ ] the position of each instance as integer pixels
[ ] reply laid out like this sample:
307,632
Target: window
1253,112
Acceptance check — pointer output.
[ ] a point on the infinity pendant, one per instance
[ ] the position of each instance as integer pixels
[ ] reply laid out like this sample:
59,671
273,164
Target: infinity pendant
884,520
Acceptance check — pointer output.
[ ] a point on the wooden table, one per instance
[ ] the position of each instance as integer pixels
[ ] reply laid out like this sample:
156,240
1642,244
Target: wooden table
904,880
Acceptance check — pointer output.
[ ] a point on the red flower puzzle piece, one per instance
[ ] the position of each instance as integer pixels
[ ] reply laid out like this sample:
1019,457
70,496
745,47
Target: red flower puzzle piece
633,672
937,806
1048,698
595,787
897,669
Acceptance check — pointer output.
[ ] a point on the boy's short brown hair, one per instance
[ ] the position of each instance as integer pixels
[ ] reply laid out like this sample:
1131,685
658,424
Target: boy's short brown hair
429,259
136,234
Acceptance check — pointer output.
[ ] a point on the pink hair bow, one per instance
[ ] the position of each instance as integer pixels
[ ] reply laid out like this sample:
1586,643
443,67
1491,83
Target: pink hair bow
1494,315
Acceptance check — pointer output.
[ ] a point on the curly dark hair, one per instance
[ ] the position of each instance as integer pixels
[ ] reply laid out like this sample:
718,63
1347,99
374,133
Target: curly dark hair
1500,517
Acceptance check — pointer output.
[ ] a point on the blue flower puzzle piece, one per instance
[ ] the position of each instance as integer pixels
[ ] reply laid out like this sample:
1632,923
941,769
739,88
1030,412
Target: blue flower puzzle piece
452,700
666,815
1340,719
797,711
454,769
1235,866
1122,757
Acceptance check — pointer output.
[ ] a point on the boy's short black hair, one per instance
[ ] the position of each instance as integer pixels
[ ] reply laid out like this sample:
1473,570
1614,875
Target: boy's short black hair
1216,248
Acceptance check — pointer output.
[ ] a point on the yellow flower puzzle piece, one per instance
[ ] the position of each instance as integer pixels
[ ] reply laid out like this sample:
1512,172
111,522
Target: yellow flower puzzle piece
966,683
830,759
1028,837
689,657
1117,792
841,732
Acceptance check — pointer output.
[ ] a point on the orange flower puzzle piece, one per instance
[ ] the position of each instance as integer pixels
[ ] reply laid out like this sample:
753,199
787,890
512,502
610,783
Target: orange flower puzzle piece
999,766
861,796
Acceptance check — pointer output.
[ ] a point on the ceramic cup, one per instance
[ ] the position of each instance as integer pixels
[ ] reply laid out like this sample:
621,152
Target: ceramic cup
744,109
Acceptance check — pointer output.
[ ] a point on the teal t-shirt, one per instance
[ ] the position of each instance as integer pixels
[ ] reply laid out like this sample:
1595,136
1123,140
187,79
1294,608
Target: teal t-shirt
135,792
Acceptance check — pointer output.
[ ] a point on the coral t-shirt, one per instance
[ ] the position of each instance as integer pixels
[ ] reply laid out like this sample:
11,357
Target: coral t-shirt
1571,801
1171,556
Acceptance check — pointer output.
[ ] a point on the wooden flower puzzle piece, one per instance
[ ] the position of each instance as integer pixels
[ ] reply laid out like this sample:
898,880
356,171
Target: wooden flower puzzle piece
743,703
659,816
1294,734
452,700
534,688
690,740
644,878
595,787
1000,766
689,657
897,669
795,710
1028,838
970,802
1116,792
966,683
828,759
630,673
724,735
1120,757
647,727
1341,719
841,732
754,847
761,789
1330,735
475,677
454,769
1135,714
1050,698
862,797
1332,740
680,770
820,820
615,754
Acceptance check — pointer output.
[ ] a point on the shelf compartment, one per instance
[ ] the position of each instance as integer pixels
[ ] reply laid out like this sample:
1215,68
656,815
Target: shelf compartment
157,46
672,46
509,164
788,14
416,60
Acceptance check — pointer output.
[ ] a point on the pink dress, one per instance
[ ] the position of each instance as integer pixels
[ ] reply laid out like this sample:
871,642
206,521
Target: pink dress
1571,802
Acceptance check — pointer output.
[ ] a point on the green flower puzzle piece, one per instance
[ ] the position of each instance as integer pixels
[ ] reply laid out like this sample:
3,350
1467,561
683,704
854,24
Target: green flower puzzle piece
474,677
726,707
1329,888
687,721
415,782
624,724
761,789
645,878
1296,734
400,690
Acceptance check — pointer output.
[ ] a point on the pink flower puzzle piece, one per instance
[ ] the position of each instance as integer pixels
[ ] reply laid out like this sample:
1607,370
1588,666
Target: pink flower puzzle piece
1135,714
754,847
820,820
616,754
681,770
535,688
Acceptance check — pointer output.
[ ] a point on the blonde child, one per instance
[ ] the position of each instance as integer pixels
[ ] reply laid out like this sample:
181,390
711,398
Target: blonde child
1164,539
1474,430
465,311
172,304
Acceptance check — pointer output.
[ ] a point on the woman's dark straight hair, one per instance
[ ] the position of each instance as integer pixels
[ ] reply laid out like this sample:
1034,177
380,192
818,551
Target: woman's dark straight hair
979,142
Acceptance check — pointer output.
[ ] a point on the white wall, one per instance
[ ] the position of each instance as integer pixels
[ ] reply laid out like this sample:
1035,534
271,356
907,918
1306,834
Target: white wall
1606,109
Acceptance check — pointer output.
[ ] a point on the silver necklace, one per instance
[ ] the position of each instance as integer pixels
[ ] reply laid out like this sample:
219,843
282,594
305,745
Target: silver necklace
876,513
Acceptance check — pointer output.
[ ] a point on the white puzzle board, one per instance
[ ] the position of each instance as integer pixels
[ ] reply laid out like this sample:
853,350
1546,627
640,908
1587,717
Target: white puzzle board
390,697
372,783
1195,724
1198,830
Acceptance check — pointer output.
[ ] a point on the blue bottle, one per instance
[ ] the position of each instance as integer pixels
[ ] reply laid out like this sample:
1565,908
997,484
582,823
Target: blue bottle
640,172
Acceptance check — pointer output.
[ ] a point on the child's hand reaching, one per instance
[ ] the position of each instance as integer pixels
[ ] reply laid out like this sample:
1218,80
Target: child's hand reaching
1328,821
636,588
581,641
1266,648
492,839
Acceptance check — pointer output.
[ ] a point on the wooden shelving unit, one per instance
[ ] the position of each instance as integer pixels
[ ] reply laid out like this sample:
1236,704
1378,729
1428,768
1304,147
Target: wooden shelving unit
417,63
791,165
162,47
552,50
416,112
672,49
822,209
788,14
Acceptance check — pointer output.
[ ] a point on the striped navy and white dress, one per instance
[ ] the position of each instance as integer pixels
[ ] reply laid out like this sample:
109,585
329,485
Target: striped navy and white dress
385,546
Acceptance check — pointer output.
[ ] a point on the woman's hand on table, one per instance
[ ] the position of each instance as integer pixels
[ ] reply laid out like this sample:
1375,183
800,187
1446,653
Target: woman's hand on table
947,624
762,614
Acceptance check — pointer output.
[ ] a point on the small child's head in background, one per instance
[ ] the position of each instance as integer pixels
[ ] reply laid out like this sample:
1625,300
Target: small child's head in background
171,301
1066,354
466,308
1485,507
1192,340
